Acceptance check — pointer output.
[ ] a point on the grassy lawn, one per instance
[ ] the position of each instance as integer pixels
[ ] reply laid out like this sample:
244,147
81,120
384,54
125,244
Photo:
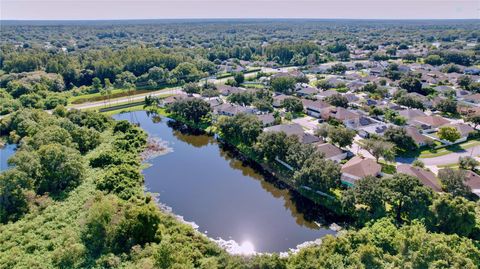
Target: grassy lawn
116,93
431,153
123,110
253,85
388,168
452,165
77,98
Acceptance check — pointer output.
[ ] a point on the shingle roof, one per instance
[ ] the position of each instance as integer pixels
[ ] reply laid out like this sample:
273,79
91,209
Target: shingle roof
426,177
361,167
434,121
329,150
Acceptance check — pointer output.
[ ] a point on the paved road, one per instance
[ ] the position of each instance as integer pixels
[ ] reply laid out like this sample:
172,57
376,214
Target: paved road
136,97
452,157
445,159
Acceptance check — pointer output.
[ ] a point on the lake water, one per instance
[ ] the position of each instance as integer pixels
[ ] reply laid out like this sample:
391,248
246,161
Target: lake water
226,199
6,152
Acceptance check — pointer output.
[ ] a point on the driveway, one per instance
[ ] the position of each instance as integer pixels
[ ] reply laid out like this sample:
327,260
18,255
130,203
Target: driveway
308,123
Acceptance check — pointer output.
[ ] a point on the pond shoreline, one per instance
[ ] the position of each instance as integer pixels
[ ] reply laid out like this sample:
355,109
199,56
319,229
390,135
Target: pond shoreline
267,172
298,221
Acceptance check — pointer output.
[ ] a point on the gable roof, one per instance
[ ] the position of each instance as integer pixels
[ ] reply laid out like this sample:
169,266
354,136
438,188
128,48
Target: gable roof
462,128
415,134
329,150
411,113
266,119
294,129
426,177
433,121
472,180
288,129
361,167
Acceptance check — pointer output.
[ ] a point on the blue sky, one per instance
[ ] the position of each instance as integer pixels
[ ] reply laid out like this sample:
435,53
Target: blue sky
163,9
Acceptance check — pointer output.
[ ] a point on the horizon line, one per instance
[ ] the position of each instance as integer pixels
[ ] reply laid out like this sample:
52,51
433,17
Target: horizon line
253,18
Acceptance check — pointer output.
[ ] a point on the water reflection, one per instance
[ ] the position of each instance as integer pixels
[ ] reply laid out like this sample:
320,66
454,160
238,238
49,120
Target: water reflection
206,183
5,153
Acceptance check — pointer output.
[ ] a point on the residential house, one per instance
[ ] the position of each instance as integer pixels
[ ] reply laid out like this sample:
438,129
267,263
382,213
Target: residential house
294,129
472,98
426,177
278,100
464,129
267,119
226,90
171,99
420,139
327,93
366,131
410,114
349,118
356,85
307,91
428,124
472,180
214,101
231,110
315,108
331,152
359,167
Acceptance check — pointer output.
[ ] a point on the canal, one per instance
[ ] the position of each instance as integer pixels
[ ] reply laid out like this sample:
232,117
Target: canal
225,198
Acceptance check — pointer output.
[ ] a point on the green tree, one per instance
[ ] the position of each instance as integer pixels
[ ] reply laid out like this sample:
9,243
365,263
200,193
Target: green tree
61,168
263,105
239,78
475,119
86,138
379,148
122,180
407,196
271,145
467,162
341,136
244,128
369,192
293,105
96,84
52,134
447,106
13,199
138,227
322,130
411,84
318,174
400,138
241,98
284,84
453,181
448,133
99,224
191,88
337,100
410,101
464,82
433,60
453,215
194,110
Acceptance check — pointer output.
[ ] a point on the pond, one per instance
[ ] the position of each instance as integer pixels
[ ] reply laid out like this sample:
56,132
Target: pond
6,152
207,185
